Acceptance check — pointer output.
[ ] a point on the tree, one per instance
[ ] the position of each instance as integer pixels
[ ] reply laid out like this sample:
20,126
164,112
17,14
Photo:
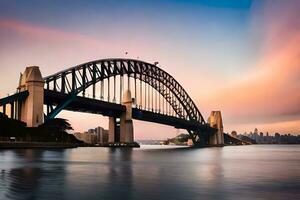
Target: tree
56,128
62,125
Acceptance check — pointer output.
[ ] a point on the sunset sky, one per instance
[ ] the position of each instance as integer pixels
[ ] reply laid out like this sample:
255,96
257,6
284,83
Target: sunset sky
238,56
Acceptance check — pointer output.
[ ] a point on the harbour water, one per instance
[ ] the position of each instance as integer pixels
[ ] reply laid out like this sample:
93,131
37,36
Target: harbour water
152,172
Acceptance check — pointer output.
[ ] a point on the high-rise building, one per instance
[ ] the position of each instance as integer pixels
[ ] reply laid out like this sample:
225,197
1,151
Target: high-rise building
101,135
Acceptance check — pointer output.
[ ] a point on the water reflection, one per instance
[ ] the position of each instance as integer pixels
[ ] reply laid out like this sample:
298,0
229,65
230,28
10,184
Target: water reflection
253,172
30,178
120,175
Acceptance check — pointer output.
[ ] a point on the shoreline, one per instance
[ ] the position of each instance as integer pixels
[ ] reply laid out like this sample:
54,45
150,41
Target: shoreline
48,145
57,145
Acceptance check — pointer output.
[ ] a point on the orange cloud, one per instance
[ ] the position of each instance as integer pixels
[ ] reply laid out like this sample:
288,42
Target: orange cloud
270,91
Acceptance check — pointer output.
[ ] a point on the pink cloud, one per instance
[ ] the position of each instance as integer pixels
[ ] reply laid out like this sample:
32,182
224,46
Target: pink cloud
52,49
42,32
269,92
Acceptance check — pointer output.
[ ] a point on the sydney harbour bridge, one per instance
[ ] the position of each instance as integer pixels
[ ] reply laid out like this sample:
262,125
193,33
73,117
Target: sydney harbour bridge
121,89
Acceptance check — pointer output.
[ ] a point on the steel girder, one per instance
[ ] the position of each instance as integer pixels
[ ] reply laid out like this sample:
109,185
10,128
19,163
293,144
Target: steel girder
76,79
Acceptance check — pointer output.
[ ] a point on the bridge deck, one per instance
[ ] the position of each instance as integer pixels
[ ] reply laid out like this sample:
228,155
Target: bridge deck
82,104
168,120
88,105
15,97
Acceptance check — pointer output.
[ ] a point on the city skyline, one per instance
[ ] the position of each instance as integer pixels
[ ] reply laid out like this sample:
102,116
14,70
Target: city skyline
240,57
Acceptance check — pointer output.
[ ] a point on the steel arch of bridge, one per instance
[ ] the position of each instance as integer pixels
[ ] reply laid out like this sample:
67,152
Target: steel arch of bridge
76,80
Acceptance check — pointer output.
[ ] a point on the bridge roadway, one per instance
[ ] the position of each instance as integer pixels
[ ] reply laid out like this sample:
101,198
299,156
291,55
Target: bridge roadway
88,105
14,97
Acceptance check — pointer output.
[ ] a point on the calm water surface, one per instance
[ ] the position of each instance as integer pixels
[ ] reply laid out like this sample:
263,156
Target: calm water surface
152,172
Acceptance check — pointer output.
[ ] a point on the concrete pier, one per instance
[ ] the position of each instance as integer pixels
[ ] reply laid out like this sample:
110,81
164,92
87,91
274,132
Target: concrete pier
215,121
126,126
31,111
121,129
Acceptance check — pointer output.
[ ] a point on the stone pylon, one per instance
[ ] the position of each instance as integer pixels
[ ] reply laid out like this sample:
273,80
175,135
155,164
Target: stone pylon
215,121
31,111
126,124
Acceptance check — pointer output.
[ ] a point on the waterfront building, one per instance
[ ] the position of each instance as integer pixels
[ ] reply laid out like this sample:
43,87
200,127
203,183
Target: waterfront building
87,137
98,135
101,135
276,139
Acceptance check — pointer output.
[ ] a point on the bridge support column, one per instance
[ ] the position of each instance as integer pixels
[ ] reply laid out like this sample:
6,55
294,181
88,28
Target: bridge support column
126,124
114,130
215,121
111,129
31,110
